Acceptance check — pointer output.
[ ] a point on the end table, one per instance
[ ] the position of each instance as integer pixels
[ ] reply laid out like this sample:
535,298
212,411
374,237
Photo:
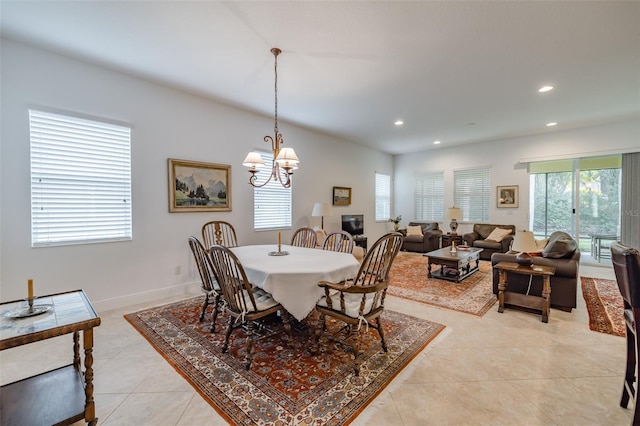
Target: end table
540,303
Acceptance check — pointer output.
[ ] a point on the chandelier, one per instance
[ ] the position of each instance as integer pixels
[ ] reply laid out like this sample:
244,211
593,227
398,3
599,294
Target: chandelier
285,160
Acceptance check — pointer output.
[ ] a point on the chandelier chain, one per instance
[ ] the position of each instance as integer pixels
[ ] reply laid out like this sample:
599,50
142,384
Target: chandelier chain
275,67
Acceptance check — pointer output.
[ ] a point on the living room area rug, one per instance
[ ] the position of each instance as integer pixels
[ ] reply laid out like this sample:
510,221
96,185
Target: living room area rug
286,385
604,305
473,295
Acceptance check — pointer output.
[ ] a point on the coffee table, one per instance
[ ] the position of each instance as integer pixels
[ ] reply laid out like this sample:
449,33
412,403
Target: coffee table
454,266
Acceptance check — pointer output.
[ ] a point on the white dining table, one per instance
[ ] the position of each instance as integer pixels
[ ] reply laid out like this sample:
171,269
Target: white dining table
293,280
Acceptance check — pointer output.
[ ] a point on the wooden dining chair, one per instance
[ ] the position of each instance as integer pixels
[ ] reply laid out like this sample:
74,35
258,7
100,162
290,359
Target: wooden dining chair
360,299
244,303
219,232
626,265
304,237
338,241
209,283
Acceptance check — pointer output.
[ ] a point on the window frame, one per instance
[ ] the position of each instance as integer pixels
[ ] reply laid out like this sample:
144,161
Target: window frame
382,202
80,179
473,199
426,199
270,193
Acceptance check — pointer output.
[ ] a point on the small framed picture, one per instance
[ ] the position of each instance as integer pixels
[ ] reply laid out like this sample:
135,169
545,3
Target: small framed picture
507,196
341,196
195,186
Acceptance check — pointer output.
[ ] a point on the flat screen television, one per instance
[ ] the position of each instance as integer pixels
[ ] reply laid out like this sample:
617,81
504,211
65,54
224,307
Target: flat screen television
353,224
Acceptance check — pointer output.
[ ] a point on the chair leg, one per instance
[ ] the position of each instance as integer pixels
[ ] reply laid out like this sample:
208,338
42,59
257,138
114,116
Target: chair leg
284,316
315,348
216,309
380,329
225,345
249,344
355,345
629,375
204,306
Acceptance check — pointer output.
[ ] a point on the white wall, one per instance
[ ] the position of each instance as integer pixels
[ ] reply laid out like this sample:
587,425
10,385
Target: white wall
166,123
503,156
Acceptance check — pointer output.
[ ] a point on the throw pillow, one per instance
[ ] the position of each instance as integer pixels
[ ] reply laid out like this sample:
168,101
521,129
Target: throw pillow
498,234
560,245
414,231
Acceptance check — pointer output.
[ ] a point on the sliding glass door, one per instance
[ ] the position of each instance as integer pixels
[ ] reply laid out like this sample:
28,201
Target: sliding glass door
580,197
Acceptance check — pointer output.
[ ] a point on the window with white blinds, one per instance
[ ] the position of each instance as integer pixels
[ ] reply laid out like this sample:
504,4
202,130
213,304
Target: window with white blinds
272,202
383,197
80,180
429,196
471,193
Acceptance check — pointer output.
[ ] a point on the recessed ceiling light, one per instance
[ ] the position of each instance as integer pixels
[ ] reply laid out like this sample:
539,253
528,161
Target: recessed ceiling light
436,142
399,123
545,89
551,124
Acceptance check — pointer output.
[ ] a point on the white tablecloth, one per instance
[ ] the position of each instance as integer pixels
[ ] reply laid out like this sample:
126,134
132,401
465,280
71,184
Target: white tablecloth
293,279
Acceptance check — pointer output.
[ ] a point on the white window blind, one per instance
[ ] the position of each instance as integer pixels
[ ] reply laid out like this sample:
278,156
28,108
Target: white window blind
471,193
80,180
272,202
429,196
383,197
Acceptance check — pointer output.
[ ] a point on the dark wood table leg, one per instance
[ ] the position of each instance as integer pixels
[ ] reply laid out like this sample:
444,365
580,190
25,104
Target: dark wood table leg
546,295
429,270
502,285
89,404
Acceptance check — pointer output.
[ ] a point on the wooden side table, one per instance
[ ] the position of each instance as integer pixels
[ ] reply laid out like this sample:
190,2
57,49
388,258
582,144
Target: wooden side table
447,239
63,395
540,303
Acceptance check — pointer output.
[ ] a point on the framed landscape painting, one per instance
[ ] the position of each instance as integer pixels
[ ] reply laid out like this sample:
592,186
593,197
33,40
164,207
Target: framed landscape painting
507,196
341,196
195,186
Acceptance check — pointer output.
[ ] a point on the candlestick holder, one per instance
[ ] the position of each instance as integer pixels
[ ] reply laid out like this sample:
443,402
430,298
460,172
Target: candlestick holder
29,311
279,252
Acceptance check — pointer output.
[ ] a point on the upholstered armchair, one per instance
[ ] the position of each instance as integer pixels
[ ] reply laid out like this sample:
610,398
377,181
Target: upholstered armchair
421,237
484,237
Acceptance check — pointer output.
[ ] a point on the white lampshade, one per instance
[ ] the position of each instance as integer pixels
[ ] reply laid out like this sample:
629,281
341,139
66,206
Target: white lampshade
524,242
454,213
253,160
287,158
321,209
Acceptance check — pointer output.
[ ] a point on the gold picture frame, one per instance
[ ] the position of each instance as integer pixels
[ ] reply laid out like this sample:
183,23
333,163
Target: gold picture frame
195,186
507,196
341,196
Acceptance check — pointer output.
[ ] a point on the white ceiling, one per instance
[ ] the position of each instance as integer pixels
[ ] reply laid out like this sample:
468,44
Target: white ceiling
454,71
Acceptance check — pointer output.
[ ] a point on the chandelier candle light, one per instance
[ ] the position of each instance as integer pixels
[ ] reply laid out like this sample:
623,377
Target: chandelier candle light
283,158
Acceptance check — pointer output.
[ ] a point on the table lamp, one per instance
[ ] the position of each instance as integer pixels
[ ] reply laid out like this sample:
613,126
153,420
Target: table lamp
453,214
322,210
524,242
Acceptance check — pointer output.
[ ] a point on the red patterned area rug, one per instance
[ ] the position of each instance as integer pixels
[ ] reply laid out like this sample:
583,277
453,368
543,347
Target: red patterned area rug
286,384
604,304
473,295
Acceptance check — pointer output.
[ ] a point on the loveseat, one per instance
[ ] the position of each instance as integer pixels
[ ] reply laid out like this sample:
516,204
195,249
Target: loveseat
479,238
427,241
561,252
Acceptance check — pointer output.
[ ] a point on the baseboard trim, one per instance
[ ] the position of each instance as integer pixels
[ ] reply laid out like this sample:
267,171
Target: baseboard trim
188,289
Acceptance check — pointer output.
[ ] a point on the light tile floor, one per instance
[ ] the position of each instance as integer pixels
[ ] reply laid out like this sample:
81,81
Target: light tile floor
505,368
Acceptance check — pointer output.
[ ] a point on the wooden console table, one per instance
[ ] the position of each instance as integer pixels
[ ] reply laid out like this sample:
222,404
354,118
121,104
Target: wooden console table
61,396
540,303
